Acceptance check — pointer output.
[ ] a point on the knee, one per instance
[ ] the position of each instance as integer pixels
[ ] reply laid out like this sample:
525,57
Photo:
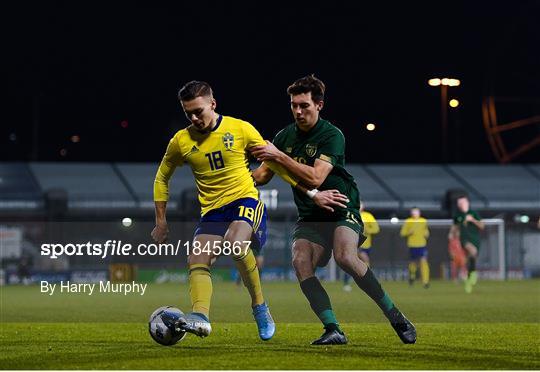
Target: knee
194,259
302,263
345,259
303,267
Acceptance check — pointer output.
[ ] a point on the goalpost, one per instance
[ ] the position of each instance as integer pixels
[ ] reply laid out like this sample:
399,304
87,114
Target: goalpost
389,254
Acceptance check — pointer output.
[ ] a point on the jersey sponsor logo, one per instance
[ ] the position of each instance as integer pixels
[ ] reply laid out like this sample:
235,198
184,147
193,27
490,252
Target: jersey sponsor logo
228,141
311,149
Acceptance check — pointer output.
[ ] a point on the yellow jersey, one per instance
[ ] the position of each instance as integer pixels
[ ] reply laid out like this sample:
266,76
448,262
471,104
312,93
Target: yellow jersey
218,160
416,231
371,227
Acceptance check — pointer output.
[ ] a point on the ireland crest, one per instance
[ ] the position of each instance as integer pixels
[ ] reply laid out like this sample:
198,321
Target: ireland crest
311,149
228,141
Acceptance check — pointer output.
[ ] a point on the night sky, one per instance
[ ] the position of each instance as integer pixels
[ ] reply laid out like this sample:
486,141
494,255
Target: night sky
110,73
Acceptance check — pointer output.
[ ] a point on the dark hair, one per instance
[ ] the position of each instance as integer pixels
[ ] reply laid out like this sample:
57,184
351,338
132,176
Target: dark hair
194,89
462,196
308,84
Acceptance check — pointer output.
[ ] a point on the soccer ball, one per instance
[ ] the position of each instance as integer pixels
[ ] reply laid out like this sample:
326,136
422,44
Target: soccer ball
161,326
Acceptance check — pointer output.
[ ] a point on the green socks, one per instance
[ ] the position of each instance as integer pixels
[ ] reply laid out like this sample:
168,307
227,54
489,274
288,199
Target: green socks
319,302
369,284
471,264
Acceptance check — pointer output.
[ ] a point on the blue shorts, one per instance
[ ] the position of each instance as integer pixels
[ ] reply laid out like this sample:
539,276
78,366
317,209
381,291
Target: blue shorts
417,253
253,211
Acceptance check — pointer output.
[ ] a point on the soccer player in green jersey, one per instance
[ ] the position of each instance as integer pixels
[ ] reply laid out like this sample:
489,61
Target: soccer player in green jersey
467,225
313,150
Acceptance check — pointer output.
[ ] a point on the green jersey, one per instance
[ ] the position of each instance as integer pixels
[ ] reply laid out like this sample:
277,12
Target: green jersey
468,231
326,142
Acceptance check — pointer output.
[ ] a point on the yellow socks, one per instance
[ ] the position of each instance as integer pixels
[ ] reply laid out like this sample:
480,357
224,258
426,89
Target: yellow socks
424,271
247,266
200,288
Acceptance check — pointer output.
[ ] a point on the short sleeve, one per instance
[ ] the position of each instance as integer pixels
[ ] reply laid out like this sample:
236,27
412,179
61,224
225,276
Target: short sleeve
252,137
332,148
279,140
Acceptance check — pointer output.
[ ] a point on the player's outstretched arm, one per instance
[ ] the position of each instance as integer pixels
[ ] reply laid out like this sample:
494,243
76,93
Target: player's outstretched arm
310,176
324,199
266,171
262,175
282,172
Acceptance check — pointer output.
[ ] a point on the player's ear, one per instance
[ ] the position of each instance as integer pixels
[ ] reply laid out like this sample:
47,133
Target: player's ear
214,104
320,105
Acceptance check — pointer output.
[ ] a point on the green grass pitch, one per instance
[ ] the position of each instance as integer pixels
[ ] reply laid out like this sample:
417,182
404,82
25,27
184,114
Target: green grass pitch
495,327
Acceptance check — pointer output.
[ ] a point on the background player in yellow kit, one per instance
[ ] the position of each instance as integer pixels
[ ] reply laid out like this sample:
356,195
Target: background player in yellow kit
371,227
215,147
415,229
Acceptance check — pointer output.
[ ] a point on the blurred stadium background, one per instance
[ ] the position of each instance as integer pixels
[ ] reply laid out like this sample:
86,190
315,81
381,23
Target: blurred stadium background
435,99
78,202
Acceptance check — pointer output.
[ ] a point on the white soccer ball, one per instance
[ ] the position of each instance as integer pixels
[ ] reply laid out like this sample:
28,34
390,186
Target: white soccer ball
161,325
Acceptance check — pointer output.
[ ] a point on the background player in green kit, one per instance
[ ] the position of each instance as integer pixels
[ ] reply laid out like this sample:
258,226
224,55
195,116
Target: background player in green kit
313,150
467,225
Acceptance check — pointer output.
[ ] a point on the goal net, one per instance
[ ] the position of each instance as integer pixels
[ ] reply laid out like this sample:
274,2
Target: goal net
390,255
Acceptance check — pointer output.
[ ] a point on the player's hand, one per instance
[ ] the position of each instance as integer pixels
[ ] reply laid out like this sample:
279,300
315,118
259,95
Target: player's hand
330,198
469,218
267,152
160,233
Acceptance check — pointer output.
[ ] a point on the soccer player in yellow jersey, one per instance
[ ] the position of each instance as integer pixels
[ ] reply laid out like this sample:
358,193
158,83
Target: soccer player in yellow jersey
415,229
371,227
215,147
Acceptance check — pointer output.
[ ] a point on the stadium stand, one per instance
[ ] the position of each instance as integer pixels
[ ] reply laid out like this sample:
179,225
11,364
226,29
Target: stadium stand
139,179
385,187
88,185
18,187
373,191
422,186
101,195
504,187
